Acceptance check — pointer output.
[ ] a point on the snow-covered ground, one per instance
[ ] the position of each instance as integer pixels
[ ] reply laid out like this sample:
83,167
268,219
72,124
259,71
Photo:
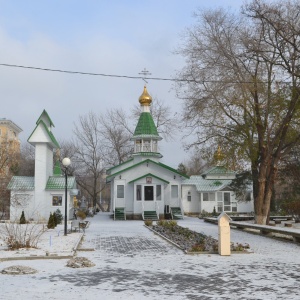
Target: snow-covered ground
133,263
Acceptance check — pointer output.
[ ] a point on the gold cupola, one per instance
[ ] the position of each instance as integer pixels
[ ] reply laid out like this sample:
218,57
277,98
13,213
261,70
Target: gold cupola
219,156
145,98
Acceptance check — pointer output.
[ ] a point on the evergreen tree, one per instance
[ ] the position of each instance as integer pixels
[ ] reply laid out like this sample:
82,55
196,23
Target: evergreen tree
22,218
54,219
59,216
51,224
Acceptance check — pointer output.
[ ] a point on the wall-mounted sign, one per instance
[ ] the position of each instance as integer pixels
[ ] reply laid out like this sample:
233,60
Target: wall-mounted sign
148,179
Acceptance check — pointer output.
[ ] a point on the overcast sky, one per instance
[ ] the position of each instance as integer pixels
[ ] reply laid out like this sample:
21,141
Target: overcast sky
120,37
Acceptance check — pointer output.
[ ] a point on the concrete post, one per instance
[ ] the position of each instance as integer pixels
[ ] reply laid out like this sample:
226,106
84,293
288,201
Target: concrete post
224,234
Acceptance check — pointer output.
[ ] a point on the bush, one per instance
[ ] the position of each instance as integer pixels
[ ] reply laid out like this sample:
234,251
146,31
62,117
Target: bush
148,222
18,236
59,217
22,218
81,215
51,222
161,222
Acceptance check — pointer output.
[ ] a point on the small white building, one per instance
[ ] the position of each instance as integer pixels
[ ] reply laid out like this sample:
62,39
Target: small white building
143,187
45,192
211,191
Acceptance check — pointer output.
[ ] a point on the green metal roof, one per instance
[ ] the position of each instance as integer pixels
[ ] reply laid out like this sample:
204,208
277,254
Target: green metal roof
207,185
144,162
157,154
50,134
21,183
44,113
58,183
149,175
218,170
145,126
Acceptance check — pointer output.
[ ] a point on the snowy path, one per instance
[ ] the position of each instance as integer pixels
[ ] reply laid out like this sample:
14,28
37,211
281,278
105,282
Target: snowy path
133,263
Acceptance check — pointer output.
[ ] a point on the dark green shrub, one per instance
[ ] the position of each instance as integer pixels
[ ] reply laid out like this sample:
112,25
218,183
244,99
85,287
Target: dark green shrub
51,222
54,219
22,218
59,216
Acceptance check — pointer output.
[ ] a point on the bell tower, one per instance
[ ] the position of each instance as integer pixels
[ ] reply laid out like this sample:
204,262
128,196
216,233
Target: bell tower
145,136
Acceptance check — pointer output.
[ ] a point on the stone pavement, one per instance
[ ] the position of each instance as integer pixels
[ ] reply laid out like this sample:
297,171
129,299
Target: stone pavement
131,262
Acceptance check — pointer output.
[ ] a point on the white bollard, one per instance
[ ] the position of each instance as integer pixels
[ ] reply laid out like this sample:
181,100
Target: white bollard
224,234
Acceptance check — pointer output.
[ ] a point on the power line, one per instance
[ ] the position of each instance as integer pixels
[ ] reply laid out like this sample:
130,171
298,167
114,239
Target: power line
89,73
124,76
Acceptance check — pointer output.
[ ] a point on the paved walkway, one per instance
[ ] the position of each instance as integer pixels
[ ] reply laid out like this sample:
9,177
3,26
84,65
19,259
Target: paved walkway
133,263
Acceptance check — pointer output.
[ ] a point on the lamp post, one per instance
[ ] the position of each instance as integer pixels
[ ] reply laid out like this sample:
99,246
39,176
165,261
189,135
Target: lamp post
66,162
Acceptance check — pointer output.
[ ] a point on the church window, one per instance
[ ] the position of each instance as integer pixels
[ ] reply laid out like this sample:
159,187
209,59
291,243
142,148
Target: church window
147,146
138,145
56,200
158,192
138,192
120,191
174,191
154,145
189,197
208,197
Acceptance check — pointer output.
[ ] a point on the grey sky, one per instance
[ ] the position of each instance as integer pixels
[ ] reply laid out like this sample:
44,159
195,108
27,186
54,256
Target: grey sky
112,37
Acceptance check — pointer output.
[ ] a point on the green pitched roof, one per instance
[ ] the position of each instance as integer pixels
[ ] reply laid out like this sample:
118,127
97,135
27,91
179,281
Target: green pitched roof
145,162
44,113
149,175
58,183
50,134
21,183
145,126
219,171
207,185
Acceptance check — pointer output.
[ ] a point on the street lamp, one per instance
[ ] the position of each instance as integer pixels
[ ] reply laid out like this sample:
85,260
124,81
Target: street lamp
66,162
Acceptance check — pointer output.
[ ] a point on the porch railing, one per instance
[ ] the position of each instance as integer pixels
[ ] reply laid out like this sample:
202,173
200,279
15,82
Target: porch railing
157,209
143,209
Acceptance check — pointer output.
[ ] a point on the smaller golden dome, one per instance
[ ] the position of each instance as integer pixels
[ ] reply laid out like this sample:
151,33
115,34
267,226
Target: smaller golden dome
145,98
219,156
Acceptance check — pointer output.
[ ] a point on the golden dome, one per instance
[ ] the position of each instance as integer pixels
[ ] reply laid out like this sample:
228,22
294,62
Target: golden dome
219,156
145,98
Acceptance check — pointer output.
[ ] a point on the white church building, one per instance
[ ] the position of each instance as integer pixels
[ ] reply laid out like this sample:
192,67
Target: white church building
144,188
45,192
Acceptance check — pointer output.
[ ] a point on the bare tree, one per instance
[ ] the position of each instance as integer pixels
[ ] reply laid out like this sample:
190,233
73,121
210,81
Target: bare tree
9,166
89,155
115,132
27,160
241,88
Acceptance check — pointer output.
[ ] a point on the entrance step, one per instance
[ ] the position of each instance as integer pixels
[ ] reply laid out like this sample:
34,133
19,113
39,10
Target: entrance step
119,213
176,213
150,215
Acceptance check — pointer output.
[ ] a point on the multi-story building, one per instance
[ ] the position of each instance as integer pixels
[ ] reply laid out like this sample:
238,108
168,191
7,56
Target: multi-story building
9,160
10,145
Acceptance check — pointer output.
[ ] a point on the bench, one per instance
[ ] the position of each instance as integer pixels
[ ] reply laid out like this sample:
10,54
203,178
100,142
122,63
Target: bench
84,225
262,229
75,225
268,230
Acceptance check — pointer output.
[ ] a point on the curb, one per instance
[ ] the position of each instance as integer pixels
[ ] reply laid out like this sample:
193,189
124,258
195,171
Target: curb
50,256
